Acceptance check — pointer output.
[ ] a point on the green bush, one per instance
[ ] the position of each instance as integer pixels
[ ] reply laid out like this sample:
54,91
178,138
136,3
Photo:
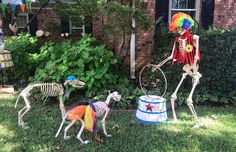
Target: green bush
216,66
22,49
89,62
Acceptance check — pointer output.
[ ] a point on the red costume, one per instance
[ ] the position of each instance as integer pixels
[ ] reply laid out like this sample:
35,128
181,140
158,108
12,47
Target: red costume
185,54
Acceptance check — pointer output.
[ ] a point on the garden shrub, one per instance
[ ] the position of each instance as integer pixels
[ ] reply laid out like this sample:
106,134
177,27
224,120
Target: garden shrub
216,66
22,50
89,62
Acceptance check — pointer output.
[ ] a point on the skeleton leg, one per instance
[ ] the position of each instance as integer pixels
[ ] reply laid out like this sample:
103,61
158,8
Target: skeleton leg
80,132
196,78
62,107
27,103
104,125
19,115
66,129
174,96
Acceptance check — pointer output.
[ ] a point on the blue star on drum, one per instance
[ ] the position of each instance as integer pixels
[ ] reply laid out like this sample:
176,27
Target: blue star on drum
149,107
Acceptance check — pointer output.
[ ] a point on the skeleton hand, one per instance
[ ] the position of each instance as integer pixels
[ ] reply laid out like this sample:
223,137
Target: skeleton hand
154,67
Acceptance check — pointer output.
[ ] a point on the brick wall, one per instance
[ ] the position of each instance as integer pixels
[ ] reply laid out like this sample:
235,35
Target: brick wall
225,13
46,17
144,39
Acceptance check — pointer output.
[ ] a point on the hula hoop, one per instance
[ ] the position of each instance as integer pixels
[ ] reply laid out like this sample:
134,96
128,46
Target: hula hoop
140,78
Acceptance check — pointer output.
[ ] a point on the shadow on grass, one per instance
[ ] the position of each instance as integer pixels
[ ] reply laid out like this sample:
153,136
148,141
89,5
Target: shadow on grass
44,121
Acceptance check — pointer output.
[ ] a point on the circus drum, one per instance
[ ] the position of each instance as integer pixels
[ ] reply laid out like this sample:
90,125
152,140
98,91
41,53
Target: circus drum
151,109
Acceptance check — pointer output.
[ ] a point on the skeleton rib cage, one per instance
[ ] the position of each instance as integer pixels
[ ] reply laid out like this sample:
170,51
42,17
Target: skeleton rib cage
47,89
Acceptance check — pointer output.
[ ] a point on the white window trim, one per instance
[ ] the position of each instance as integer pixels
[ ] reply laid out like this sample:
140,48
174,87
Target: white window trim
68,1
76,28
27,20
197,3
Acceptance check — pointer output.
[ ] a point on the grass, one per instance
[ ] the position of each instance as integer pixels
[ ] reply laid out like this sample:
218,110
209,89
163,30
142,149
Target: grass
219,133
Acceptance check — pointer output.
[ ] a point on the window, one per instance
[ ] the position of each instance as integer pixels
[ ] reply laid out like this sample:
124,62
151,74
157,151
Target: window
77,28
190,7
21,20
68,1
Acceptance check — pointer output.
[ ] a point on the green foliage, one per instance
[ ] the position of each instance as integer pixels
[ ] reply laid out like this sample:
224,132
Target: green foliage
22,49
216,66
90,63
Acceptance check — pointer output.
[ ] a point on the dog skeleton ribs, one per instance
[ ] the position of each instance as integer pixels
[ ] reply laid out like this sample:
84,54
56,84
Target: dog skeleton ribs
48,90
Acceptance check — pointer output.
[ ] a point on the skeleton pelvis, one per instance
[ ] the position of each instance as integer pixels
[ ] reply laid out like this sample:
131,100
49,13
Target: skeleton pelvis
190,68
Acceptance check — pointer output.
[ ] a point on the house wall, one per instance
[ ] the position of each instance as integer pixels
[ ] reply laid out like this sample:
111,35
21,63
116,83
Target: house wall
225,13
48,18
144,39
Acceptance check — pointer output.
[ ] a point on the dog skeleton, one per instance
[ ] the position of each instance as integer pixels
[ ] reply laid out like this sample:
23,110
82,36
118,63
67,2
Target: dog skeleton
101,109
48,90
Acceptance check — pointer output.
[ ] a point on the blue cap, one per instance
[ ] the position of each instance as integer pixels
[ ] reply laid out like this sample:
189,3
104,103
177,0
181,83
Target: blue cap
71,77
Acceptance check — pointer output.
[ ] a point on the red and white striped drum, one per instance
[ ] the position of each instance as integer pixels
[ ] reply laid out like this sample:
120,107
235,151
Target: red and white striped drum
151,109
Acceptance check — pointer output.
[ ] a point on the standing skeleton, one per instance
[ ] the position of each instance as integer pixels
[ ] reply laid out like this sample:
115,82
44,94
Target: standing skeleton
80,113
48,90
186,51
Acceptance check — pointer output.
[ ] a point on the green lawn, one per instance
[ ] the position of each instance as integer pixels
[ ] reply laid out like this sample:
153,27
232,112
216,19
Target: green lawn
219,133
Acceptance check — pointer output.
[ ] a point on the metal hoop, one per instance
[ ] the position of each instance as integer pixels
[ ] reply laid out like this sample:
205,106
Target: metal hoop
156,67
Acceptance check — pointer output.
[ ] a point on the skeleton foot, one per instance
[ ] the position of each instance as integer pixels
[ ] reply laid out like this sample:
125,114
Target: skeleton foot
108,135
22,124
197,126
86,142
83,142
26,127
174,121
67,137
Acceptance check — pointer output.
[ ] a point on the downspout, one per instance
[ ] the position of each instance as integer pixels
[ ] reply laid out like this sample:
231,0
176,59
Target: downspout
132,47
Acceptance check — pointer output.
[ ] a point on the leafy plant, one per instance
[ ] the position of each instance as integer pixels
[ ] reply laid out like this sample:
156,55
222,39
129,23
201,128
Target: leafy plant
89,62
22,49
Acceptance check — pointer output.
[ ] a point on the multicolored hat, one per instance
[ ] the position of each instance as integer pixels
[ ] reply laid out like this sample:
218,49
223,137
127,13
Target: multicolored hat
181,20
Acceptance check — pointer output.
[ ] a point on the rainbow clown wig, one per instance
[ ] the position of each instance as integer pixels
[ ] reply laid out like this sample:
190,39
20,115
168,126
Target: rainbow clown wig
182,21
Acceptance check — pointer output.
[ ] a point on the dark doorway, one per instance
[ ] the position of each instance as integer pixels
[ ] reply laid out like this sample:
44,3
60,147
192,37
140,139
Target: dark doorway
207,14
162,7
33,25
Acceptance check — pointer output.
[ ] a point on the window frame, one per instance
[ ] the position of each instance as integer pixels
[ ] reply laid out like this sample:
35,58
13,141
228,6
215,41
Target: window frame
71,28
27,21
196,10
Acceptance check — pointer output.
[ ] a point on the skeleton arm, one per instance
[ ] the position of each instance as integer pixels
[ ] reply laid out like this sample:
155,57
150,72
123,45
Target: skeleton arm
196,57
164,61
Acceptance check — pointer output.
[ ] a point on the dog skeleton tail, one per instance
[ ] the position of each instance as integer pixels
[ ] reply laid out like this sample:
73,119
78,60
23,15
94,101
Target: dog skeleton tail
62,123
17,100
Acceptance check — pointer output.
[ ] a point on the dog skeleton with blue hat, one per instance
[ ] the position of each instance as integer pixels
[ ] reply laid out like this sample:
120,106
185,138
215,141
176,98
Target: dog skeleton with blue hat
48,90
